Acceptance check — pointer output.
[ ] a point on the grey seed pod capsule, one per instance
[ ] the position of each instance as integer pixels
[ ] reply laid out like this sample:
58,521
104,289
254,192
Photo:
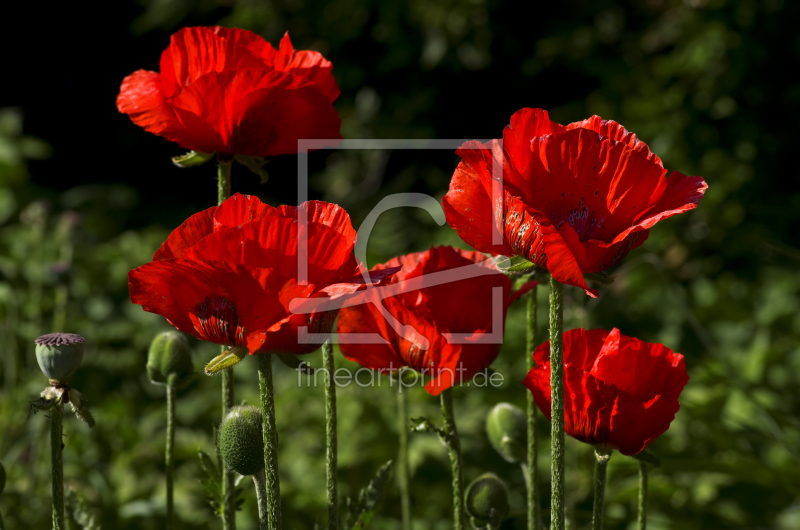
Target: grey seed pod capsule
169,353
241,441
59,355
507,428
486,501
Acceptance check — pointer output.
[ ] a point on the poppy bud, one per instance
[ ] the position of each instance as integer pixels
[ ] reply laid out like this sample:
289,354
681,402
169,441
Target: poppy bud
59,355
2,478
241,441
169,354
508,431
487,501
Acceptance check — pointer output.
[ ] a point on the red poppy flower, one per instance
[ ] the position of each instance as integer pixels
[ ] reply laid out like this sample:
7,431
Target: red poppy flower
229,91
440,308
620,392
574,199
228,274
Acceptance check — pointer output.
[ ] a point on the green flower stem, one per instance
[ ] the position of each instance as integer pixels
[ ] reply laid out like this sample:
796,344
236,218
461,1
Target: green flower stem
260,480
270,441
602,456
402,461
454,444
330,437
557,405
170,450
57,463
228,397
642,523
531,470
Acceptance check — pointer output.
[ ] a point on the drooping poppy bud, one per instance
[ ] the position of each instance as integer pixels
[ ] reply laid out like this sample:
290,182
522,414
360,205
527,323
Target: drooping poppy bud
241,441
169,354
508,431
59,355
487,501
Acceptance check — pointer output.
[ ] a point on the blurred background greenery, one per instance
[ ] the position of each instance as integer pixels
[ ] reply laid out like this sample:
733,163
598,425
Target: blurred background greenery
85,196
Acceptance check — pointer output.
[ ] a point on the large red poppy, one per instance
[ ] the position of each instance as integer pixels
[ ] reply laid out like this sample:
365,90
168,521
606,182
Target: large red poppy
435,312
229,91
228,274
620,392
573,200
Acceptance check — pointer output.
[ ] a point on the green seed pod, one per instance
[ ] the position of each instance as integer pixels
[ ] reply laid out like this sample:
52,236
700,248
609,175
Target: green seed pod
241,441
2,478
59,355
487,501
169,353
507,428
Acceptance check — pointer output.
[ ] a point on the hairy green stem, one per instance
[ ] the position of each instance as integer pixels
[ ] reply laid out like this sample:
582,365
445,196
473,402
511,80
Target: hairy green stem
228,396
331,465
270,441
642,523
454,444
170,450
260,480
57,463
602,456
531,470
557,404
402,460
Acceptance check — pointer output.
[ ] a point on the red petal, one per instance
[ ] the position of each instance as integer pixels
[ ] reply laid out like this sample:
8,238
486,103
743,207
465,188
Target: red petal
683,193
596,256
617,132
325,213
141,98
308,64
526,124
239,209
187,235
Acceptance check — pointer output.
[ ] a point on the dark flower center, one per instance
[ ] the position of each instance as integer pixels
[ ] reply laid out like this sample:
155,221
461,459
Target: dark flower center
218,321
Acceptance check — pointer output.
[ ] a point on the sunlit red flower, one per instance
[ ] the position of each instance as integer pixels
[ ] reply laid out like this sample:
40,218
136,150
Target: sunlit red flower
228,273
573,200
619,392
229,91
443,308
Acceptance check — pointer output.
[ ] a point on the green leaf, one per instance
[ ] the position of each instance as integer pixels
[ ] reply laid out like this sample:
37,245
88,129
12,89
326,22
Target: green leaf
210,468
226,360
650,458
78,513
364,509
192,159
255,164
424,425
515,264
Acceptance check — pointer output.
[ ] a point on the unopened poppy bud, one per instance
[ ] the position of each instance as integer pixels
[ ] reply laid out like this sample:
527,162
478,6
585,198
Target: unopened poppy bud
487,501
169,354
2,478
59,355
241,440
508,431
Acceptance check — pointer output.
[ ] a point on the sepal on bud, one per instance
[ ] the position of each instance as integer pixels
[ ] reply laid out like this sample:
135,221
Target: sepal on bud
170,354
225,360
255,164
241,441
59,355
486,501
507,428
192,159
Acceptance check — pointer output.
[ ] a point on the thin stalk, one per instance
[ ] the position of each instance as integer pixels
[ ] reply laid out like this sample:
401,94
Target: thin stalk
602,456
454,444
642,523
330,437
57,463
260,480
170,450
270,441
2,524
402,460
228,396
557,405
531,470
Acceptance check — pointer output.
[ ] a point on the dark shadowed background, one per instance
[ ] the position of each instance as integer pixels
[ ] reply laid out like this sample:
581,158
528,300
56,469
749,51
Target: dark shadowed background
85,196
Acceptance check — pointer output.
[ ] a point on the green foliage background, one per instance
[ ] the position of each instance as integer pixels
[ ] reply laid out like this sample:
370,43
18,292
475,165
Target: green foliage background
707,83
